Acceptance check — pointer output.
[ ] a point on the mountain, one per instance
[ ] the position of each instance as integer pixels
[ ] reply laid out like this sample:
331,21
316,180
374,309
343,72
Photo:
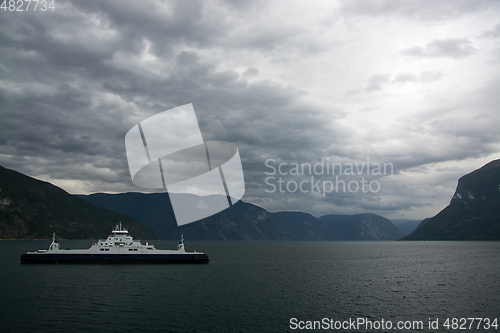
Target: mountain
304,226
241,221
361,227
473,213
33,209
339,227
405,225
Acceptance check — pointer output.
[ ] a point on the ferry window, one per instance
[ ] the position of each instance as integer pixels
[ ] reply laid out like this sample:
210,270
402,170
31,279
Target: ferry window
102,249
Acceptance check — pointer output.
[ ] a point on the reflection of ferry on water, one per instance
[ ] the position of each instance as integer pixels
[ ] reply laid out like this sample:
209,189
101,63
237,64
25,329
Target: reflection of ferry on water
119,247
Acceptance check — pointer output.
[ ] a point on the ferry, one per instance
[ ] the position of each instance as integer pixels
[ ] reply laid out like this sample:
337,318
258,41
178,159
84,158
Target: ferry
119,248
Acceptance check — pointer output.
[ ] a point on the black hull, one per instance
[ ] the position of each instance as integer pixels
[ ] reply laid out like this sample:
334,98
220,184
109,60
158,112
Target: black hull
114,258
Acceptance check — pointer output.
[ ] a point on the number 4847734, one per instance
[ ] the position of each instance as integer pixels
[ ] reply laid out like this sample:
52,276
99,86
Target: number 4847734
27,5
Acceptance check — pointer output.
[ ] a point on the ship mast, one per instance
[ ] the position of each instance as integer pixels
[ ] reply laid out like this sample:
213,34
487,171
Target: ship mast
54,245
180,247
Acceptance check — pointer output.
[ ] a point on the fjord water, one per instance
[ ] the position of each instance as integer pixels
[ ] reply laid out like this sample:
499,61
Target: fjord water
252,287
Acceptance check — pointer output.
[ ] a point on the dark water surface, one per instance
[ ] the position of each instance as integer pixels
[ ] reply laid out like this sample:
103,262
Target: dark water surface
254,287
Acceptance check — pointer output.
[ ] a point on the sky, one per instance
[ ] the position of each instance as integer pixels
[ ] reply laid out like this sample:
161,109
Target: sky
409,85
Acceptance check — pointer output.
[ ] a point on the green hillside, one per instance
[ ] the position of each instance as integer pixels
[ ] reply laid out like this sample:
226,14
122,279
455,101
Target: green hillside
33,209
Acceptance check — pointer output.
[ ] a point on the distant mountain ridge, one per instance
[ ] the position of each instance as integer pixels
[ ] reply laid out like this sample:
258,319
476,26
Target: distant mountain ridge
244,221
473,212
34,209
362,227
405,225
304,225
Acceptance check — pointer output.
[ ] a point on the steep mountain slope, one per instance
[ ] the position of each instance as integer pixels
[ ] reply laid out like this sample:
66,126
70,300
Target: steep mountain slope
473,213
30,209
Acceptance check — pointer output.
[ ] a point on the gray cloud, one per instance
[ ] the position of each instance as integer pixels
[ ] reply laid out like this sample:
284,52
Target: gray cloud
429,76
422,10
449,47
376,82
402,78
493,33
251,72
